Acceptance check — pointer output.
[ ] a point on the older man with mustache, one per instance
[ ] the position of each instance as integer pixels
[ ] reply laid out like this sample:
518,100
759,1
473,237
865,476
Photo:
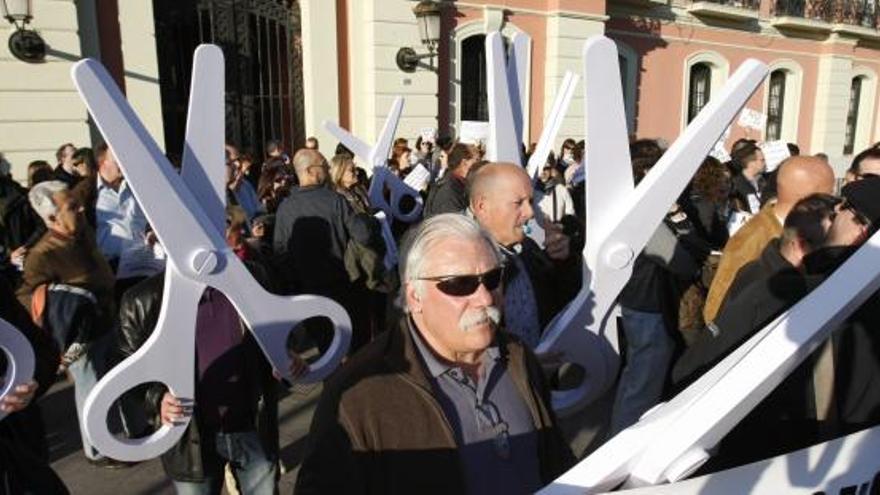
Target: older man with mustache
447,402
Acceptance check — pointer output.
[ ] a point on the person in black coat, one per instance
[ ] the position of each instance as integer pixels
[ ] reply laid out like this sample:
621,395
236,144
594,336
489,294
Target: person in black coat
24,452
449,195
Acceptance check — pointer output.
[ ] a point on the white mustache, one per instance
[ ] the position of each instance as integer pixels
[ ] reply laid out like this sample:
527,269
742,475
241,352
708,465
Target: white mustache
479,317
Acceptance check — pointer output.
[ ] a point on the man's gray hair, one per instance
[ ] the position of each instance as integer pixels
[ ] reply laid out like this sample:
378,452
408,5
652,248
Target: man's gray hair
448,225
41,198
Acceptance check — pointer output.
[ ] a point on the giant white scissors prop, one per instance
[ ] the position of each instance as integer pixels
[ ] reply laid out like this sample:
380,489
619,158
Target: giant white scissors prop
187,214
620,217
674,439
377,157
19,359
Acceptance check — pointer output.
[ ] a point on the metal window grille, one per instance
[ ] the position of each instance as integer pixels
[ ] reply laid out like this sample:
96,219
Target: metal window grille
261,43
700,89
775,105
852,116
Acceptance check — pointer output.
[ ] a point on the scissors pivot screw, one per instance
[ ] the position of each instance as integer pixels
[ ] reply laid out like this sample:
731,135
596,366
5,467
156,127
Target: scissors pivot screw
619,256
203,261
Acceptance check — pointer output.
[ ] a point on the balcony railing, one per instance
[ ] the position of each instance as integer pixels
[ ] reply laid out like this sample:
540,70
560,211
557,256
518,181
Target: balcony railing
742,4
864,13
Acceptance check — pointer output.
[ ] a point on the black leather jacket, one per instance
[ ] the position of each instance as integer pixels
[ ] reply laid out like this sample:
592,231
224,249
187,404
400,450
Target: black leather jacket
138,313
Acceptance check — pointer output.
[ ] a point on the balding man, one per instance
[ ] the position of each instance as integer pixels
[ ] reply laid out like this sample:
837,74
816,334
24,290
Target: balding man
312,230
539,281
445,402
798,177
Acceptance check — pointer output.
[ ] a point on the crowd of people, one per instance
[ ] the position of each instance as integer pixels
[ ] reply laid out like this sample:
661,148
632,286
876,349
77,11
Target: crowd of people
441,391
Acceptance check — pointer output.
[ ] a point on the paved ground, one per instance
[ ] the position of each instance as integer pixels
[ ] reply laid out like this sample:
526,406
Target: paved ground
584,431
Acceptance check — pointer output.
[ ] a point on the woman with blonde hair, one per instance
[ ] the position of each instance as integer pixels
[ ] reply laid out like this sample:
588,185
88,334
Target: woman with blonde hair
344,180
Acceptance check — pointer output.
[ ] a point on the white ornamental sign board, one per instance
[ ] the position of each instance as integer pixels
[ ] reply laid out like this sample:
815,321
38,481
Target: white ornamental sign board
187,212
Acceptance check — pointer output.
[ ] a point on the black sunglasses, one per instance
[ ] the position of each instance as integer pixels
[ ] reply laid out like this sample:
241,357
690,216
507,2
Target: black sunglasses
465,285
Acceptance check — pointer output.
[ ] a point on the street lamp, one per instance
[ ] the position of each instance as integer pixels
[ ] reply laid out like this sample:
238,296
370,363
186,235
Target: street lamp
26,45
427,14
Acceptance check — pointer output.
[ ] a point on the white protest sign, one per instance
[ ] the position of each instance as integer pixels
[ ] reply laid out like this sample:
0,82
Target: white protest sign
186,212
19,360
473,132
752,119
775,152
418,177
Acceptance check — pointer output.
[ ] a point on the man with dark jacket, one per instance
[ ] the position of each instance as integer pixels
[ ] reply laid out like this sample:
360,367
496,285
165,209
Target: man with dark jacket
24,452
235,416
450,193
445,403
539,281
313,227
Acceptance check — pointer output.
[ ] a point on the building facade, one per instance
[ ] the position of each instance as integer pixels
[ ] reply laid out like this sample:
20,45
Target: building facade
293,64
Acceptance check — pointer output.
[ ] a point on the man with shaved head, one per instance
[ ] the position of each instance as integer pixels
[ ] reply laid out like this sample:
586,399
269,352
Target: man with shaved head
539,281
798,177
312,229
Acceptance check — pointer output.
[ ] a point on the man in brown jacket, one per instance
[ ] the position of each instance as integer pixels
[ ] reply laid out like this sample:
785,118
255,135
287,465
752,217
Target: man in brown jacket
67,254
447,402
798,177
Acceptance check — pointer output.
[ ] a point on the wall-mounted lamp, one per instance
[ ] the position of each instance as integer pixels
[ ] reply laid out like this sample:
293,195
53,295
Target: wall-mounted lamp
427,14
24,44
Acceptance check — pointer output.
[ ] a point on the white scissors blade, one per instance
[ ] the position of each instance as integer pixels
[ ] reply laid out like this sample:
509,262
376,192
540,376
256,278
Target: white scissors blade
660,188
607,164
19,360
360,149
382,149
204,168
504,144
158,189
168,357
517,78
552,124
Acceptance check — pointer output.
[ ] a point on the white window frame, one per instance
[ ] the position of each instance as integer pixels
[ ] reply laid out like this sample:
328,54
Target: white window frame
867,104
720,69
791,104
631,57
456,38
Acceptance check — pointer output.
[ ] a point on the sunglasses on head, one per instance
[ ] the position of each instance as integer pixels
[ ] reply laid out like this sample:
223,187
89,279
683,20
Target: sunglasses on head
465,285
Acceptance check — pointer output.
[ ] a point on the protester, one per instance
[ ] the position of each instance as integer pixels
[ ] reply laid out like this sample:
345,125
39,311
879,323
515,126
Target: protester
24,451
708,205
344,179
68,254
864,164
312,143
798,178
648,303
121,223
552,197
274,185
313,227
234,416
748,162
449,195
18,221
400,417
240,191
65,171
539,281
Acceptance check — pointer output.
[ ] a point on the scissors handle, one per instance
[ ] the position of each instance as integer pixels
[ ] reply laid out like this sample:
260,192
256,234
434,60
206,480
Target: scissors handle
19,359
271,317
382,177
167,357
